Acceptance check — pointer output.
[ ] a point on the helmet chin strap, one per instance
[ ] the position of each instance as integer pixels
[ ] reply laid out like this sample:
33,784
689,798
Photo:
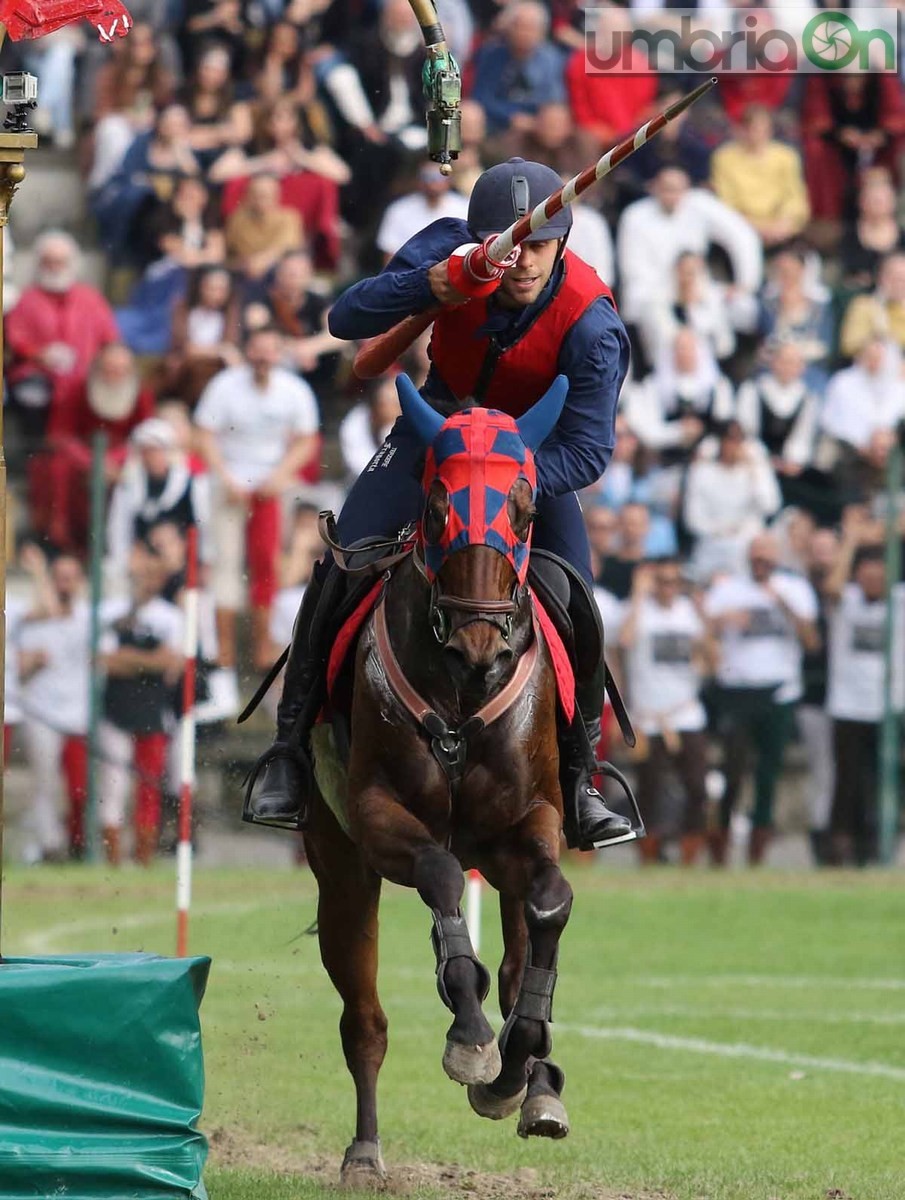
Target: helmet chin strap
560,252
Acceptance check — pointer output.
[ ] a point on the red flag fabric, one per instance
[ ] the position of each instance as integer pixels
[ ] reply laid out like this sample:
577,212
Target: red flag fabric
25,19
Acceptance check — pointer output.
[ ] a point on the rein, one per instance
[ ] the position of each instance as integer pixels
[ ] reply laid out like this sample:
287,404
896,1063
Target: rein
449,745
326,527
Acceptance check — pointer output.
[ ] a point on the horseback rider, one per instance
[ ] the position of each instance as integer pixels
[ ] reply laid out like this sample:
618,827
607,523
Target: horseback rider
550,315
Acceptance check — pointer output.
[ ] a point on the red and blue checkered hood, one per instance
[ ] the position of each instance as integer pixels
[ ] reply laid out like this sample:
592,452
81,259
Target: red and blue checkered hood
478,455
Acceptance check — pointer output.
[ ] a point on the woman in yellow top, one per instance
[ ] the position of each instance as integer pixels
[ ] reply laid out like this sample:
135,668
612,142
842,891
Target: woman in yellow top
762,179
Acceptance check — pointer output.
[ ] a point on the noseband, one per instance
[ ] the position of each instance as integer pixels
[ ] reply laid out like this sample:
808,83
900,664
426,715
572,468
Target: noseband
483,610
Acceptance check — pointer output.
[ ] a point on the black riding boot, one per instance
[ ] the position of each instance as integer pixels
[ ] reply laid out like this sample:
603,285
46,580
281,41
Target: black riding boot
588,823
278,792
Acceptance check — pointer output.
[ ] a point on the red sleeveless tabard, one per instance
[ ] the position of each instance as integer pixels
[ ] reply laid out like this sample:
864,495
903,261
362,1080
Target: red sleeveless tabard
524,371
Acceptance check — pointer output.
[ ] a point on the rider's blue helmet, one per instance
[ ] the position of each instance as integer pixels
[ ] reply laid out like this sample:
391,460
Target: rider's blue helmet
508,191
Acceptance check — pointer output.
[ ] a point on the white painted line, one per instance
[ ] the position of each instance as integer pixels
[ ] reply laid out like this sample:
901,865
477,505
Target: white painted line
707,1013
663,1041
58,939
825,982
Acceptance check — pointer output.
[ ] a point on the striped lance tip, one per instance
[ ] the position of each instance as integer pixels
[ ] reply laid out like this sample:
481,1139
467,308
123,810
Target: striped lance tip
504,243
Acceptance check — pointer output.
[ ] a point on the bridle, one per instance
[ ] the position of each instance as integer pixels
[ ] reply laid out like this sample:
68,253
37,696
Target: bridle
442,603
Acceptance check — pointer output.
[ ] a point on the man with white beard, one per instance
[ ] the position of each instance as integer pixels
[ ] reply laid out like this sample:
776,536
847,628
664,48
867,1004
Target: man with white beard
54,333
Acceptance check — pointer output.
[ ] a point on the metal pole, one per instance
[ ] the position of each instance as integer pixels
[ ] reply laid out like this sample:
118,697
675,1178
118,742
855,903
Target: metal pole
187,749
891,728
96,541
473,887
12,172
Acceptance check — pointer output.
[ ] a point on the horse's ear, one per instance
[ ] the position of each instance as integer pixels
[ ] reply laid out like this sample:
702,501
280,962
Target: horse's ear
425,420
539,421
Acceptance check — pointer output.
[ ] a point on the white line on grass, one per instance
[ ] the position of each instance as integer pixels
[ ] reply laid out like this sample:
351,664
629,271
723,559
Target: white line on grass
779,981
58,938
663,1041
705,1012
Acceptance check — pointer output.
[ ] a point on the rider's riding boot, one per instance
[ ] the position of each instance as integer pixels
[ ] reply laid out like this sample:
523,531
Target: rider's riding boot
281,778
588,823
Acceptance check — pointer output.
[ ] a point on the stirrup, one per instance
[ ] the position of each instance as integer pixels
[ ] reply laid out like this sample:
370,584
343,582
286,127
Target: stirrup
637,830
278,750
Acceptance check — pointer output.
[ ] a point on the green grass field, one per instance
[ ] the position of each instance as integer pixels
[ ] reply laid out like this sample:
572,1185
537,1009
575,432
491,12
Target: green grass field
731,1037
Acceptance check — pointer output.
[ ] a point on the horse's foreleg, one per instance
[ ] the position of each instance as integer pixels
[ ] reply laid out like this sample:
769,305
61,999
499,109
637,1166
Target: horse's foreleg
400,848
527,873
349,894
542,1111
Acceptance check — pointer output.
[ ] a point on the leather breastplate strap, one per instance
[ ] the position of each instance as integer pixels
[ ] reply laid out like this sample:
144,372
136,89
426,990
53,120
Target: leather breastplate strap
449,746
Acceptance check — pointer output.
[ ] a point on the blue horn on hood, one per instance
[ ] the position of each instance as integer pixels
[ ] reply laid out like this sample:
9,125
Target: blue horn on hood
425,420
539,421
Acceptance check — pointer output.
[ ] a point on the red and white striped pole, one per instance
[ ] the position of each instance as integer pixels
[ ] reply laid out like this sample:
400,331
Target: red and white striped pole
187,749
473,888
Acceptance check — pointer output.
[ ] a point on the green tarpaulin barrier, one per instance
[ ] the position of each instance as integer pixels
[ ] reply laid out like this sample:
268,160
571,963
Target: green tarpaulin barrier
101,1078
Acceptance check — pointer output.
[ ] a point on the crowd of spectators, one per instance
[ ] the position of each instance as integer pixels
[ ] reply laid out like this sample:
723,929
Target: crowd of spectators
245,160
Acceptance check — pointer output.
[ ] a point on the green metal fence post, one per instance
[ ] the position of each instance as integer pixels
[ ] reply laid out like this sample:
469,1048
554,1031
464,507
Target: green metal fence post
891,729
96,542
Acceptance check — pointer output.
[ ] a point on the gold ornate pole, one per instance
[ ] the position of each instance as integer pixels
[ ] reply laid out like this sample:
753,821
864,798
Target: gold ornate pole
12,172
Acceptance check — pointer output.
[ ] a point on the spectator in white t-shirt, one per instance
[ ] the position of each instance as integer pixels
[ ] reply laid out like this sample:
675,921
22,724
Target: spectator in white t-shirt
257,427
667,652
864,404
856,689
591,240
730,491
433,198
694,299
363,429
685,398
611,610
763,619
53,659
653,233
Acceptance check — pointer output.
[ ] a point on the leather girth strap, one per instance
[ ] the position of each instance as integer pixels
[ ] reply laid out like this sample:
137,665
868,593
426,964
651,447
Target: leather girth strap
450,746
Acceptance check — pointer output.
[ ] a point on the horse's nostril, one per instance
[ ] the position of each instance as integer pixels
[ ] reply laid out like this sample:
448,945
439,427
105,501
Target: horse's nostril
456,661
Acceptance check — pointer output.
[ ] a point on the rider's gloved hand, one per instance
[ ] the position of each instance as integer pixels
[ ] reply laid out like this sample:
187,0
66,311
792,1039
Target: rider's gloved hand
469,272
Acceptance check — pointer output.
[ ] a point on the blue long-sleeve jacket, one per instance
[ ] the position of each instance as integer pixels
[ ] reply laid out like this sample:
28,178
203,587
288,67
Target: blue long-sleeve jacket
594,355
504,86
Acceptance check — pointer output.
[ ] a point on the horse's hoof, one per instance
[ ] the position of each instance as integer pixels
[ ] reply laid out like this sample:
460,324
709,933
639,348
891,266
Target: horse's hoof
472,1064
487,1104
363,1167
543,1116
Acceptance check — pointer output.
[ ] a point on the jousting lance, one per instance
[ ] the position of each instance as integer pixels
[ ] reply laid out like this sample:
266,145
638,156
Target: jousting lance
477,269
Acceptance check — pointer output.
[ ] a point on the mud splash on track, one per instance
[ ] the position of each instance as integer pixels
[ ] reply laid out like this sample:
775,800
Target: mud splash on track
232,1149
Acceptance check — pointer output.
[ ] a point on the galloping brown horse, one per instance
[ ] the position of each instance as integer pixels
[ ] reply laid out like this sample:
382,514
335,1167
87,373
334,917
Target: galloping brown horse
453,764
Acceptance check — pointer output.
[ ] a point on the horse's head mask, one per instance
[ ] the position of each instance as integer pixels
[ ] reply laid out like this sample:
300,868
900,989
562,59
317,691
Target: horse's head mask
479,478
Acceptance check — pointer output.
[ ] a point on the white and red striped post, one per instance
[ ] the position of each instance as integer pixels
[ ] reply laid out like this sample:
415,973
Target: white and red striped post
187,749
473,888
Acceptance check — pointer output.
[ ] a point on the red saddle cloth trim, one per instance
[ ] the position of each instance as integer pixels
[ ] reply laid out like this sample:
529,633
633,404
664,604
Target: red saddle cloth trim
349,632
26,19
562,668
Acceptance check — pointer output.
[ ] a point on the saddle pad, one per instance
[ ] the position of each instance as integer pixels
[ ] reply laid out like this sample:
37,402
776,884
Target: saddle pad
330,773
562,667
345,639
